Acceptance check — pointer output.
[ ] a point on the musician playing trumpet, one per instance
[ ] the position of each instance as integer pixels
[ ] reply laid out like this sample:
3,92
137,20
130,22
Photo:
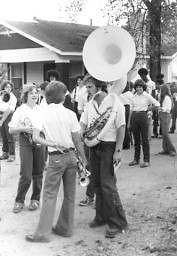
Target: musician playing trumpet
103,156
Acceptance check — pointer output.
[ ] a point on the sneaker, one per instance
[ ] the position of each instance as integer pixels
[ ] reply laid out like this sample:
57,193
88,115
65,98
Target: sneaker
11,159
86,201
134,162
34,205
18,207
172,153
4,156
145,164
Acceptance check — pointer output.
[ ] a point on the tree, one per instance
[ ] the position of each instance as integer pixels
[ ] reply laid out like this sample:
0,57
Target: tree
152,17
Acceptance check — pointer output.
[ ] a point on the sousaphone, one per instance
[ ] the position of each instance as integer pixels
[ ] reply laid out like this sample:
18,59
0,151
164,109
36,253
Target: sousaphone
108,54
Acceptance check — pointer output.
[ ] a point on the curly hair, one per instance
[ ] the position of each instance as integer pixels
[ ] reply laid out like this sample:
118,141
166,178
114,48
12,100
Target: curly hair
54,73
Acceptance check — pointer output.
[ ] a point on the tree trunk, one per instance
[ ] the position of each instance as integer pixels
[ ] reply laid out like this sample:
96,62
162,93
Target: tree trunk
154,9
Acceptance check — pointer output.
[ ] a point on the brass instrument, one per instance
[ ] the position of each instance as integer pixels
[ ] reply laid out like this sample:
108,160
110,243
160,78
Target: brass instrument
108,54
83,172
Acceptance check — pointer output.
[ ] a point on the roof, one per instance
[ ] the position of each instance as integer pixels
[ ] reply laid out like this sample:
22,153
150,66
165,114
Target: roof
60,37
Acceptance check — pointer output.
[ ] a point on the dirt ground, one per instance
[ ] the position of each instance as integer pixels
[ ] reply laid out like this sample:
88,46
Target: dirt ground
149,197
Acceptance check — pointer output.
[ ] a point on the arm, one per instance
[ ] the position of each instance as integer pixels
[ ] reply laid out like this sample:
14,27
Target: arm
5,115
79,147
119,142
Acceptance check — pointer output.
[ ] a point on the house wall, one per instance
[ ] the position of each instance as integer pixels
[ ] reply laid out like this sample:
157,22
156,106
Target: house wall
174,68
35,72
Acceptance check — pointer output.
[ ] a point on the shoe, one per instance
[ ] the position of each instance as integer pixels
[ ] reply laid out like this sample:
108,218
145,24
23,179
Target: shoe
4,156
144,165
18,207
171,132
54,229
31,238
154,136
112,232
11,159
96,224
86,201
134,162
34,205
172,153
164,152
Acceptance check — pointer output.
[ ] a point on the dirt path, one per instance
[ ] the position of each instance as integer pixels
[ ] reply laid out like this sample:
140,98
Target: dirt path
149,197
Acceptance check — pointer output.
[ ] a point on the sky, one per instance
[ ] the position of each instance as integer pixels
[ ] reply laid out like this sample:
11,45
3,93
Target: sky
25,10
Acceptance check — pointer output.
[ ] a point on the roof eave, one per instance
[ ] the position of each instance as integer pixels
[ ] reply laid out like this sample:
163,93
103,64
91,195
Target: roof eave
51,48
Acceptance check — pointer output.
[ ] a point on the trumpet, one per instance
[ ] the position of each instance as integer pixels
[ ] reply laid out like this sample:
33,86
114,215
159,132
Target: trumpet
84,174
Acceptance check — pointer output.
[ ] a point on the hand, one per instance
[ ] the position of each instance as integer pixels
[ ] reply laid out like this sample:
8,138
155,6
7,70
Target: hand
28,130
116,158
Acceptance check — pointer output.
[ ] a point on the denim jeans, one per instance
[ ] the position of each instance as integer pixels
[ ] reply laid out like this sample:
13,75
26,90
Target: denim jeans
167,144
32,161
108,204
60,167
8,141
140,126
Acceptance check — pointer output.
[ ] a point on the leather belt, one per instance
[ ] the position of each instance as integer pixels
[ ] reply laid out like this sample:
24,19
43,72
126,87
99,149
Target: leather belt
139,112
57,152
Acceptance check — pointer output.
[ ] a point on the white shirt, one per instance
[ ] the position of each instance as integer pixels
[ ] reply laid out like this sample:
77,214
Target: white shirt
150,86
78,92
90,114
166,104
82,101
58,123
12,102
24,116
141,102
126,97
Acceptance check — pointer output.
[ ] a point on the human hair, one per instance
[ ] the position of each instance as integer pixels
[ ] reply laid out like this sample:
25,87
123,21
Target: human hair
165,90
80,76
143,71
5,83
55,92
140,82
99,84
54,73
44,85
25,90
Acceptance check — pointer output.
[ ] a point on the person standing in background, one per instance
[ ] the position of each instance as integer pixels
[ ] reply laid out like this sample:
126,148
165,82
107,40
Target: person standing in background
77,94
140,104
166,102
173,89
8,139
54,75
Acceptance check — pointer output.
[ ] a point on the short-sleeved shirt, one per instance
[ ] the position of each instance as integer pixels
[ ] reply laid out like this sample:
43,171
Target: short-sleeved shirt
141,102
58,123
12,102
90,114
24,115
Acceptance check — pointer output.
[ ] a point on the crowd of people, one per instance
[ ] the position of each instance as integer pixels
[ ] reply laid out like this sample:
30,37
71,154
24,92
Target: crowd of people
51,123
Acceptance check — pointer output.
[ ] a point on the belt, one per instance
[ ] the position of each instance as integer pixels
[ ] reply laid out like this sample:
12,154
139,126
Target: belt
65,151
139,112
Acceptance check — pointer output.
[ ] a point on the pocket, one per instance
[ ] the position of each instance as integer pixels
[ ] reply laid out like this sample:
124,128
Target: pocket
73,160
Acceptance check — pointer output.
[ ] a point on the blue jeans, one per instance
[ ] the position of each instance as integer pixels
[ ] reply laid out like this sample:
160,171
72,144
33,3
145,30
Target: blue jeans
8,141
32,161
60,167
108,204
167,144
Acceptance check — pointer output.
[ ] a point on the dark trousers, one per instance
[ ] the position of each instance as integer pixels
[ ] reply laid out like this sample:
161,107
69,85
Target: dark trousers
108,204
140,126
89,190
155,117
8,141
173,116
126,142
32,161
